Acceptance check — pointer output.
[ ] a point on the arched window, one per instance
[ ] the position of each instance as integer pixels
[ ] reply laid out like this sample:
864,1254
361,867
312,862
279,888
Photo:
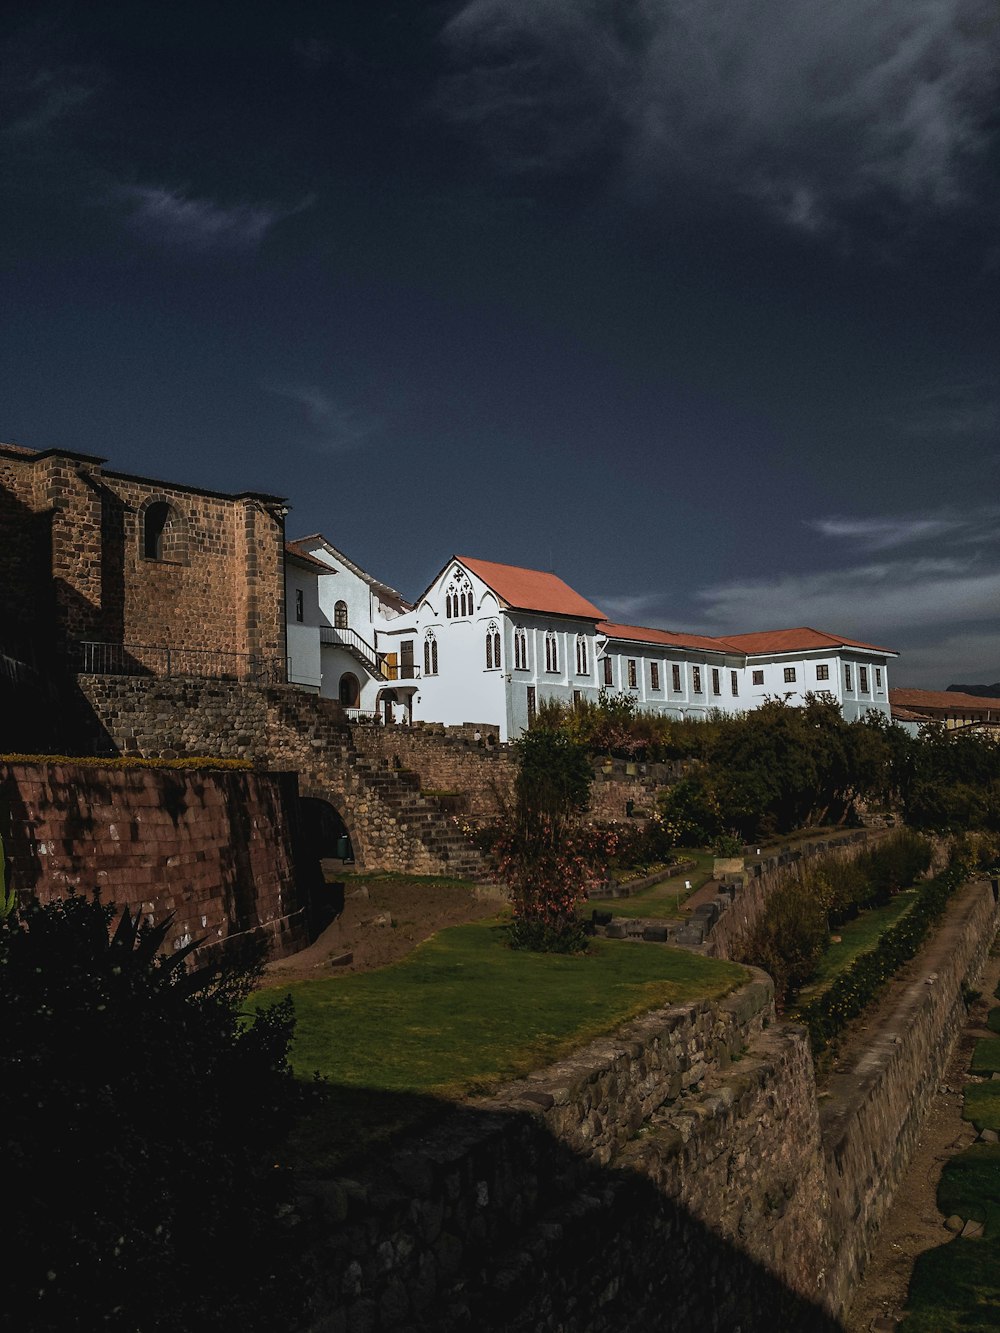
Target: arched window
582,664
350,690
340,615
447,606
492,647
154,521
458,599
520,650
430,654
551,651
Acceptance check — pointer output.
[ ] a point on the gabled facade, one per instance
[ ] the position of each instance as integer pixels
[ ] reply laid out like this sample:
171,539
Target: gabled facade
488,642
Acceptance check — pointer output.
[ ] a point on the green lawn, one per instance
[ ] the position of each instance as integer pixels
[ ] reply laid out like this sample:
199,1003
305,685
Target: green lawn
986,1057
663,901
463,1013
982,1105
856,937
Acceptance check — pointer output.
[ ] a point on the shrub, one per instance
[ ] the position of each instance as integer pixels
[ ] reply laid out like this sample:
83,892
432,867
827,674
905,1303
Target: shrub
788,939
140,1115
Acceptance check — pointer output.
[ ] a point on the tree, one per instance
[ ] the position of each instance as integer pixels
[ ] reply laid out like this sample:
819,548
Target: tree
141,1116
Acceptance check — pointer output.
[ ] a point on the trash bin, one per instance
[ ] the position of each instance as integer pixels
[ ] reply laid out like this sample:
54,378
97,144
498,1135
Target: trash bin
344,848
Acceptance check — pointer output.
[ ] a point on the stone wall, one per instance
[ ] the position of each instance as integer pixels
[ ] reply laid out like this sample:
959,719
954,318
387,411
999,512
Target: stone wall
871,1120
75,566
679,1175
219,850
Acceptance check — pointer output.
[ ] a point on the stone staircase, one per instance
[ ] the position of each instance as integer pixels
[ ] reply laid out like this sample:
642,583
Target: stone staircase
394,821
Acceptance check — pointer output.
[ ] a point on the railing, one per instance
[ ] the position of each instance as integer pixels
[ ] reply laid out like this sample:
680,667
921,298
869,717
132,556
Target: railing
142,659
363,650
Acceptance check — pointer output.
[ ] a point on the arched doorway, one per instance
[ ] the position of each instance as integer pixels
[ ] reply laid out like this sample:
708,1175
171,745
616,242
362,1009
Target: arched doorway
350,690
327,845
385,704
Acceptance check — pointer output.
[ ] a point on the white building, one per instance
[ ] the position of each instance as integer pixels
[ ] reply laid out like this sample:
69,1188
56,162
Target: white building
487,642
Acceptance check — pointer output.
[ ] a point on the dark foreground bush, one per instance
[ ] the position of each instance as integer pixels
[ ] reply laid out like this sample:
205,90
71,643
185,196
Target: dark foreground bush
139,1115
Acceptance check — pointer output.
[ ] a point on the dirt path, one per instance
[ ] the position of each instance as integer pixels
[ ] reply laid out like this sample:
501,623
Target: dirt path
914,1223
382,921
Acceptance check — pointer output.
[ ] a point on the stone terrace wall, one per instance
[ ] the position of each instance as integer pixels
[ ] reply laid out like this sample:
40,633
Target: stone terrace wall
763,877
468,760
217,849
871,1122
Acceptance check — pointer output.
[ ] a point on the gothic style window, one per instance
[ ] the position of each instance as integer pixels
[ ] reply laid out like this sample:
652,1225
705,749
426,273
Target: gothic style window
458,599
492,647
447,606
430,654
582,664
551,651
520,650
340,615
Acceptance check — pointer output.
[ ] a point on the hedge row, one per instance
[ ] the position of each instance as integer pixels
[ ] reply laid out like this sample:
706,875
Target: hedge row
827,1015
129,761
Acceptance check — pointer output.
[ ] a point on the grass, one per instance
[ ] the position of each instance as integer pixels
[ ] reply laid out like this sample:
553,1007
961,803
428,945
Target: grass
982,1105
986,1057
351,877
462,1014
663,901
856,938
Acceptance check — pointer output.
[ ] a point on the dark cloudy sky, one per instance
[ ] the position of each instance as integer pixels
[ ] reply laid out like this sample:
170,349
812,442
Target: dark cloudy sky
694,301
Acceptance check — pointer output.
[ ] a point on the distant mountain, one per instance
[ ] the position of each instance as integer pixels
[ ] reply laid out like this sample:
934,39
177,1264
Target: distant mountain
981,691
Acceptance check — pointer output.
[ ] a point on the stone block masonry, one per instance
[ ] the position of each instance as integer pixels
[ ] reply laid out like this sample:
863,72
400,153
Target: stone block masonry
679,1175
216,849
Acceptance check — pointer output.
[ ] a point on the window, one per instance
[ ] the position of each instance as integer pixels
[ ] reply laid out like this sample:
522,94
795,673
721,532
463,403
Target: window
300,610
822,671
350,690
863,679
716,681
633,675
696,679
734,681
582,660
520,650
492,647
758,678
430,654
878,678
609,672
577,698
847,677
675,677
458,599
154,521
340,616
551,651
532,707
789,675
654,675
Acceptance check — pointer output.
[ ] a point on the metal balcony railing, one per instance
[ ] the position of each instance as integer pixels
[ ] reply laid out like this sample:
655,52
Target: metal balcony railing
143,659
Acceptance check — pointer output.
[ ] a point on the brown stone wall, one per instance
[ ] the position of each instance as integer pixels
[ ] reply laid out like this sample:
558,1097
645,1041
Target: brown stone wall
74,567
217,849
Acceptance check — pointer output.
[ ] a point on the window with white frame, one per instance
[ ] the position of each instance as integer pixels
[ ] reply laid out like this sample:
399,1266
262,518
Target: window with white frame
633,674
696,679
822,671
459,602
675,677
520,650
878,678
789,675
716,681
758,678
734,681
551,651
430,654
848,685
582,658
863,679
492,646
654,675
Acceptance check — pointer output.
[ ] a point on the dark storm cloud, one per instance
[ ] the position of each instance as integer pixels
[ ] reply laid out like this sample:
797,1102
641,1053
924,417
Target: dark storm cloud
329,424
813,110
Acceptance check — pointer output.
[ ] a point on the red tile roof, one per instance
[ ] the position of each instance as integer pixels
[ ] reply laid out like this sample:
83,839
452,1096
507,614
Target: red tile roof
292,549
802,639
669,638
948,700
907,714
532,590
